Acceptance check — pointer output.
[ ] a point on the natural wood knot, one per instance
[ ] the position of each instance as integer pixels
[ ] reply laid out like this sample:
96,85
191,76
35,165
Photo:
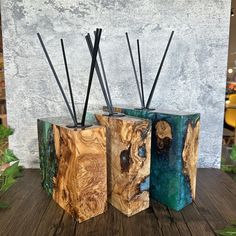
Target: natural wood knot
164,135
125,160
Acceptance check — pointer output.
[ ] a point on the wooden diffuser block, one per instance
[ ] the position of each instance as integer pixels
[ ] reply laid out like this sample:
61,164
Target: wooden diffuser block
174,155
128,153
73,166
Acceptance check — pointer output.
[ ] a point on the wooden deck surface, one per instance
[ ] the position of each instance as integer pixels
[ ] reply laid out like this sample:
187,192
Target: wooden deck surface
32,212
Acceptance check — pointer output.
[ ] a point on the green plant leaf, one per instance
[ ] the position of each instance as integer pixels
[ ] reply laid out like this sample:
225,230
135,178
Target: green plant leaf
9,161
3,205
5,132
8,156
9,181
228,231
233,153
13,171
229,168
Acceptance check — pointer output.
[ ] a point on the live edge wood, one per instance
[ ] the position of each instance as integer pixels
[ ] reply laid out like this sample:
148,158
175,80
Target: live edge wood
128,151
190,154
79,176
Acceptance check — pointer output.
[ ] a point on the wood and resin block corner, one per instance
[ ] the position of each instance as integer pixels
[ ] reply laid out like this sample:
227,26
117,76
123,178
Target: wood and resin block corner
174,162
174,155
128,157
74,167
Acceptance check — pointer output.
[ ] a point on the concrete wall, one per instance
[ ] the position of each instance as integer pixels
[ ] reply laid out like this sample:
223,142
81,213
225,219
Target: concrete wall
192,79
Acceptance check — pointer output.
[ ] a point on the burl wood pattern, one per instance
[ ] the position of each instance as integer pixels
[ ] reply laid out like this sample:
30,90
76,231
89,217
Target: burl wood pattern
190,154
174,155
128,150
80,185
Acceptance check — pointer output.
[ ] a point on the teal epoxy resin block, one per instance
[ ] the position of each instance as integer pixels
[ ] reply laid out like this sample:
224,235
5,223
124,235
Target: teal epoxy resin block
173,156
47,154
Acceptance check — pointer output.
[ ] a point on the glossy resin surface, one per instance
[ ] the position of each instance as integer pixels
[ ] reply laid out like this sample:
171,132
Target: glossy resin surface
174,153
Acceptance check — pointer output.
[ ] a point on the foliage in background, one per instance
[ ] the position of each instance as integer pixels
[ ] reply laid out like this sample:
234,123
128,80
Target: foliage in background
229,169
9,163
228,163
228,231
233,153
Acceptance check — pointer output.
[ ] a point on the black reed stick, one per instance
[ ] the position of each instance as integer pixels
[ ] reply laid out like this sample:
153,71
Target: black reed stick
159,71
57,79
68,79
135,73
105,78
91,48
140,72
93,63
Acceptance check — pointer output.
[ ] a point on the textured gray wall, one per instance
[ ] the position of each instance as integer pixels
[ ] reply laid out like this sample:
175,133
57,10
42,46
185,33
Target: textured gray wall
193,77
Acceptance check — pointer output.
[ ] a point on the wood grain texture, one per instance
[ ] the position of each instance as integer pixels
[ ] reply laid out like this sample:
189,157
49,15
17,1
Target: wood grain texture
27,201
129,146
190,154
213,209
80,185
163,135
173,156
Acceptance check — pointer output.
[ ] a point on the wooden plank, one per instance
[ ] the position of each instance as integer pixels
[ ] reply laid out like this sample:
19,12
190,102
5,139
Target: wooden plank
223,200
207,209
67,226
114,223
129,142
164,219
32,212
144,223
226,180
29,202
178,219
50,221
195,222
35,210
98,226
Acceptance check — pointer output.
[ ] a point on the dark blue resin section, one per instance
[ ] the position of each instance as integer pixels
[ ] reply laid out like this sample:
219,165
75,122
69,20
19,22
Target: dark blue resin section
142,151
145,185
